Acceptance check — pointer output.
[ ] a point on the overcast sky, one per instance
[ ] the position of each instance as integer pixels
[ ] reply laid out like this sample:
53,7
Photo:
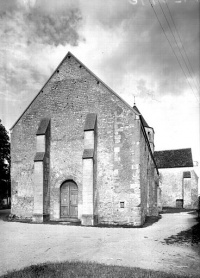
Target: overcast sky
123,43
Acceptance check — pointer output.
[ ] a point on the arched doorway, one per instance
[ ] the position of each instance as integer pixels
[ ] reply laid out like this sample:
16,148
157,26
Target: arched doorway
69,200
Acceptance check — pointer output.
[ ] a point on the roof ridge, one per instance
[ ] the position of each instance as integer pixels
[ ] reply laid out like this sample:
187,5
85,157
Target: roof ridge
174,150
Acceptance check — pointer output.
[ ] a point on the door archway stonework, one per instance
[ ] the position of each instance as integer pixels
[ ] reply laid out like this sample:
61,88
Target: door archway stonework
69,200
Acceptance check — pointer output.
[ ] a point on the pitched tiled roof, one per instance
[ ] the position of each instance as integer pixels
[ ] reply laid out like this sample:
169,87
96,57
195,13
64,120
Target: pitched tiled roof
174,158
142,118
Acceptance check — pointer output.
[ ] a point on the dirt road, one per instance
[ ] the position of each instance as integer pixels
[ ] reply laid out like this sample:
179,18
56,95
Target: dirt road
26,244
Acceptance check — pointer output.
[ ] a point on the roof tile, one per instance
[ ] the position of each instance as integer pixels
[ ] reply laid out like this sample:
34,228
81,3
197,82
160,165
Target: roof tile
174,158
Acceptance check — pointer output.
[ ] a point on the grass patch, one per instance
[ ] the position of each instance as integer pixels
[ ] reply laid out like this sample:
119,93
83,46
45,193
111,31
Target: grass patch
80,269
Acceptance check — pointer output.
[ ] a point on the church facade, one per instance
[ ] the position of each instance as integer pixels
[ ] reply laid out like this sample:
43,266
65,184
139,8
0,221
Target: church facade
81,153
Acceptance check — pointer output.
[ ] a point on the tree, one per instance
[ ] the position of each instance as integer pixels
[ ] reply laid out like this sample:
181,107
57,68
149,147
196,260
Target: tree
5,187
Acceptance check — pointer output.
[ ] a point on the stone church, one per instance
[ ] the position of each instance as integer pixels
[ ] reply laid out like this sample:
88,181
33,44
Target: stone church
81,153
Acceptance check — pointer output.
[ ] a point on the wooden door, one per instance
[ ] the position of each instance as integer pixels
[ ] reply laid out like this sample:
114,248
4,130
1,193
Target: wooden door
69,200
179,203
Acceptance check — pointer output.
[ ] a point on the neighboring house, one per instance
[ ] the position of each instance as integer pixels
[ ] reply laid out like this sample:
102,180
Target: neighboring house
178,180
81,153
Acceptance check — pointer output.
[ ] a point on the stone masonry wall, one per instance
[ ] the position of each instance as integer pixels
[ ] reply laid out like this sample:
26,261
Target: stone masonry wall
22,173
171,183
72,93
46,166
194,190
148,185
172,187
153,178
120,185
144,182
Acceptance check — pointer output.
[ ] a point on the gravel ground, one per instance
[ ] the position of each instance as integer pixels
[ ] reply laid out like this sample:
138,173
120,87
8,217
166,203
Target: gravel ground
25,244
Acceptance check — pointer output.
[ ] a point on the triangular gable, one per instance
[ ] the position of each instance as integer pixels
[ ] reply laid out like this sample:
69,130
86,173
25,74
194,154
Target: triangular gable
89,71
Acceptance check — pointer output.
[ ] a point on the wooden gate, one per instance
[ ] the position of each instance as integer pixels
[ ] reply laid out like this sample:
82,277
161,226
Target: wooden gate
69,200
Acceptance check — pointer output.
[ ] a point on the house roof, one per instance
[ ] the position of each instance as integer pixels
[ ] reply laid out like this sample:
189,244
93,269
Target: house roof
174,158
142,118
143,125
69,54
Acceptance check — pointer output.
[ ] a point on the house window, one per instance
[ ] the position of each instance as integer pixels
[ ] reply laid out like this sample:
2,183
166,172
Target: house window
121,204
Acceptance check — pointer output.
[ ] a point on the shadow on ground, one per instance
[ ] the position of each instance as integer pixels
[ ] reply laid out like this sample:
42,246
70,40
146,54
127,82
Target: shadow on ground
177,210
150,220
191,236
188,237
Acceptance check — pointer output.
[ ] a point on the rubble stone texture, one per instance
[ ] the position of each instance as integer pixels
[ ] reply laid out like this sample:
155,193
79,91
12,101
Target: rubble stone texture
123,172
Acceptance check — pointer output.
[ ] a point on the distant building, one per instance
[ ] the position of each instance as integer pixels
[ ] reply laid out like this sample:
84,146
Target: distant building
178,180
81,153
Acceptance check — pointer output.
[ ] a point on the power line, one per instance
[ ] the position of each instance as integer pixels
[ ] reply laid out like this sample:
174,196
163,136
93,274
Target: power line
180,40
171,47
176,42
